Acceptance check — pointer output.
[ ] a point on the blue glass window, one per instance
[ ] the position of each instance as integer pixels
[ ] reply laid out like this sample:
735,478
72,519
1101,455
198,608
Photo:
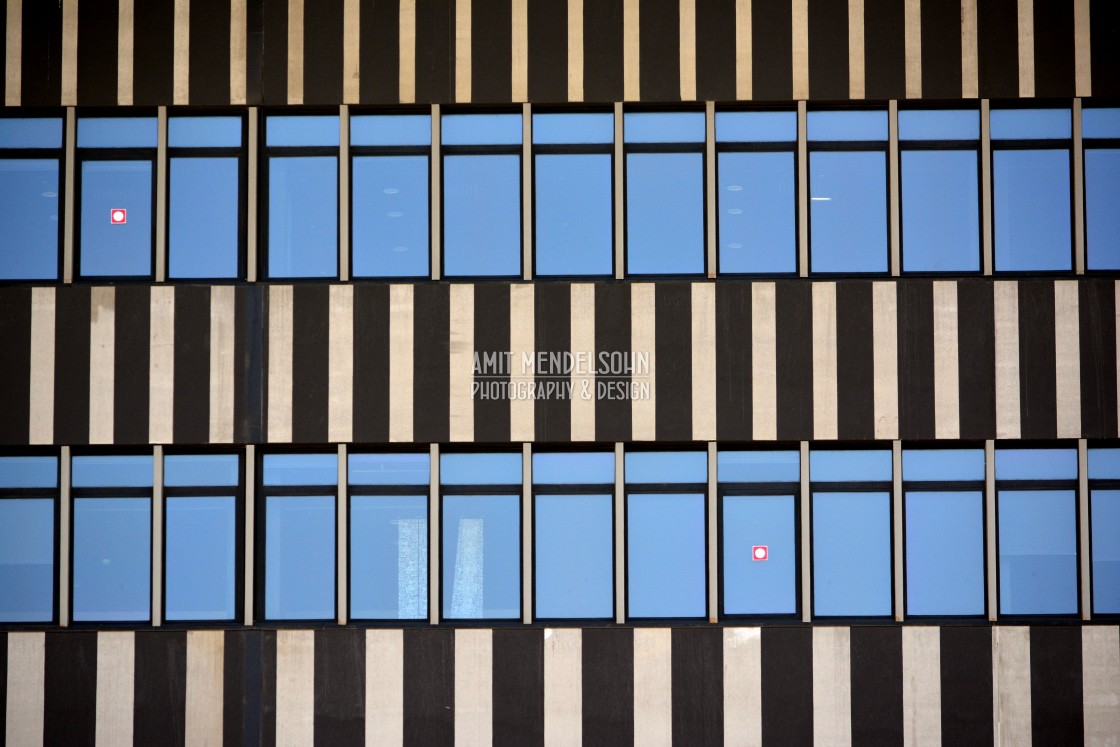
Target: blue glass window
30,153
1100,129
1104,512
28,488
389,170
481,195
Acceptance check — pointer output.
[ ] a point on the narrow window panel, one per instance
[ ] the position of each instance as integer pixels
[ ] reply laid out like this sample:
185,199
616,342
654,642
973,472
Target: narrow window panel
848,211
1104,464
1102,122
573,468
28,472
945,553
26,559
481,129
665,213
757,213
299,557
756,127
940,211
390,216
847,125
186,470
389,469
482,557
574,561
942,464
573,218
1037,552
389,557
303,217
555,129
391,129
1031,124
314,130
666,466
664,127
482,215
1102,218
204,132
112,559
1032,210
300,469
204,217
939,124
852,465
665,555
200,558
30,132
758,466
119,471
114,249
480,469
852,554
754,586
1036,464
29,209
1106,552
117,132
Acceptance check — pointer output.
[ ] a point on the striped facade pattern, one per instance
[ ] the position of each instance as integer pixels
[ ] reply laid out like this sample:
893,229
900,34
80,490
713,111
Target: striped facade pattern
329,52
958,685
729,360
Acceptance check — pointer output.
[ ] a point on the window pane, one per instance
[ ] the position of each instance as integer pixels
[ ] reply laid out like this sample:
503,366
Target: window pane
664,213
571,468
848,125
300,469
1032,214
204,210
28,472
29,218
113,471
756,127
1100,122
303,130
848,212
665,555
481,129
757,213
940,211
303,217
852,554
30,132
480,469
390,216
943,464
1009,124
204,132
573,128
945,553
201,558
201,469
664,127
391,129
389,557
759,466
666,466
1104,464
116,249
1037,552
1106,551
1102,219
299,557
1036,464
850,465
574,228
389,469
574,556
26,559
117,132
766,585
946,124
112,559
482,215
482,556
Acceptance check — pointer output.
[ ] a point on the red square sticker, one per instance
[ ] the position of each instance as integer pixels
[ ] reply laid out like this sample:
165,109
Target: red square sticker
118,216
760,552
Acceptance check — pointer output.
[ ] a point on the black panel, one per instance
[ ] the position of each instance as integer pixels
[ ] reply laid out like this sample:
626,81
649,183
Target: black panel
608,686
884,49
4,681
70,688
97,52
268,689
431,375
71,365
254,53
855,361
379,52
15,373
238,700
274,55
659,56
876,660
966,686
612,334
715,50
491,51
976,359
209,69
697,686
160,695
1038,395
734,403
340,686
548,51
1104,31
1056,696
941,50
1097,309
153,59
435,51
322,52
310,361
673,359
772,48
371,363
553,333
248,356
794,329
192,364
916,418
429,687
130,364
491,335
1053,48
787,686
997,31
518,694
828,49
41,63
602,51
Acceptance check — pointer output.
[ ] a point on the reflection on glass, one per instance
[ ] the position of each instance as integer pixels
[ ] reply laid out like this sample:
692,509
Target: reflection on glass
28,472
30,132
112,559
574,561
664,213
303,216
664,127
757,213
848,211
389,469
482,215
847,125
303,130
117,132
300,469
29,189
1106,551
766,584
666,466
26,559
940,211
758,466
390,216
1031,201
1036,464
571,468
480,469
110,248
389,557
299,557
1037,552
852,554
665,555
131,471
574,228
200,558
204,132
849,465
944,553
481,557
201,469
203,213
1102,219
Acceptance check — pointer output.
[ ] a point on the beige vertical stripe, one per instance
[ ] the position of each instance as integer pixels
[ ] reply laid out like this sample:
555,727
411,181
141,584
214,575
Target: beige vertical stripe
1011,682
744,50
643,308
1100,683
1067,356
575,50
461,362
280,307
41,405
126,20
703,361
521,344
884,310
857,79
116,655
1083,62
205,682
26,676
400,362
161,366
474,661
764,362
946,377
407,59
182,51
970,66
631,49
351,54
583,379
519,49
384,688
295,51
563,687
913,15
800,49
1026,48
824,361
921,686
1007,359
238,42
69,95
463,51
102,334
742,687
340,383
688,49
832,686
653,686
223,301
295,688
13,53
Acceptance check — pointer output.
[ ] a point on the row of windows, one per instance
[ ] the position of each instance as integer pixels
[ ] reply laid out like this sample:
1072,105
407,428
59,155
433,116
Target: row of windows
573,182
480,531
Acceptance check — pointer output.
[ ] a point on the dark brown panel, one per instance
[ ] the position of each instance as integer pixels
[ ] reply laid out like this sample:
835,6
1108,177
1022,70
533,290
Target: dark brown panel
794,333
268,689
612,335
915,360
884,49
191,421
379,52
659,55
787,686
697,655
274,51
153,54
734,396
518,688
966,685
4,680
371,363
997,27
491,51
828,49
322,52
41,55
1104,31
772,42
553,333
1097,309
1056,685
70,688
1053,48
941,50
248,357
254,53
310,355
160,694
131,364
71,365
435,51
429,687
15,373
602,50
548,51
608,686
431,374
976,360
715,50
876,660
1038,394
244,686
97,52
491,335
855,361
340,686
209,71
673,359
